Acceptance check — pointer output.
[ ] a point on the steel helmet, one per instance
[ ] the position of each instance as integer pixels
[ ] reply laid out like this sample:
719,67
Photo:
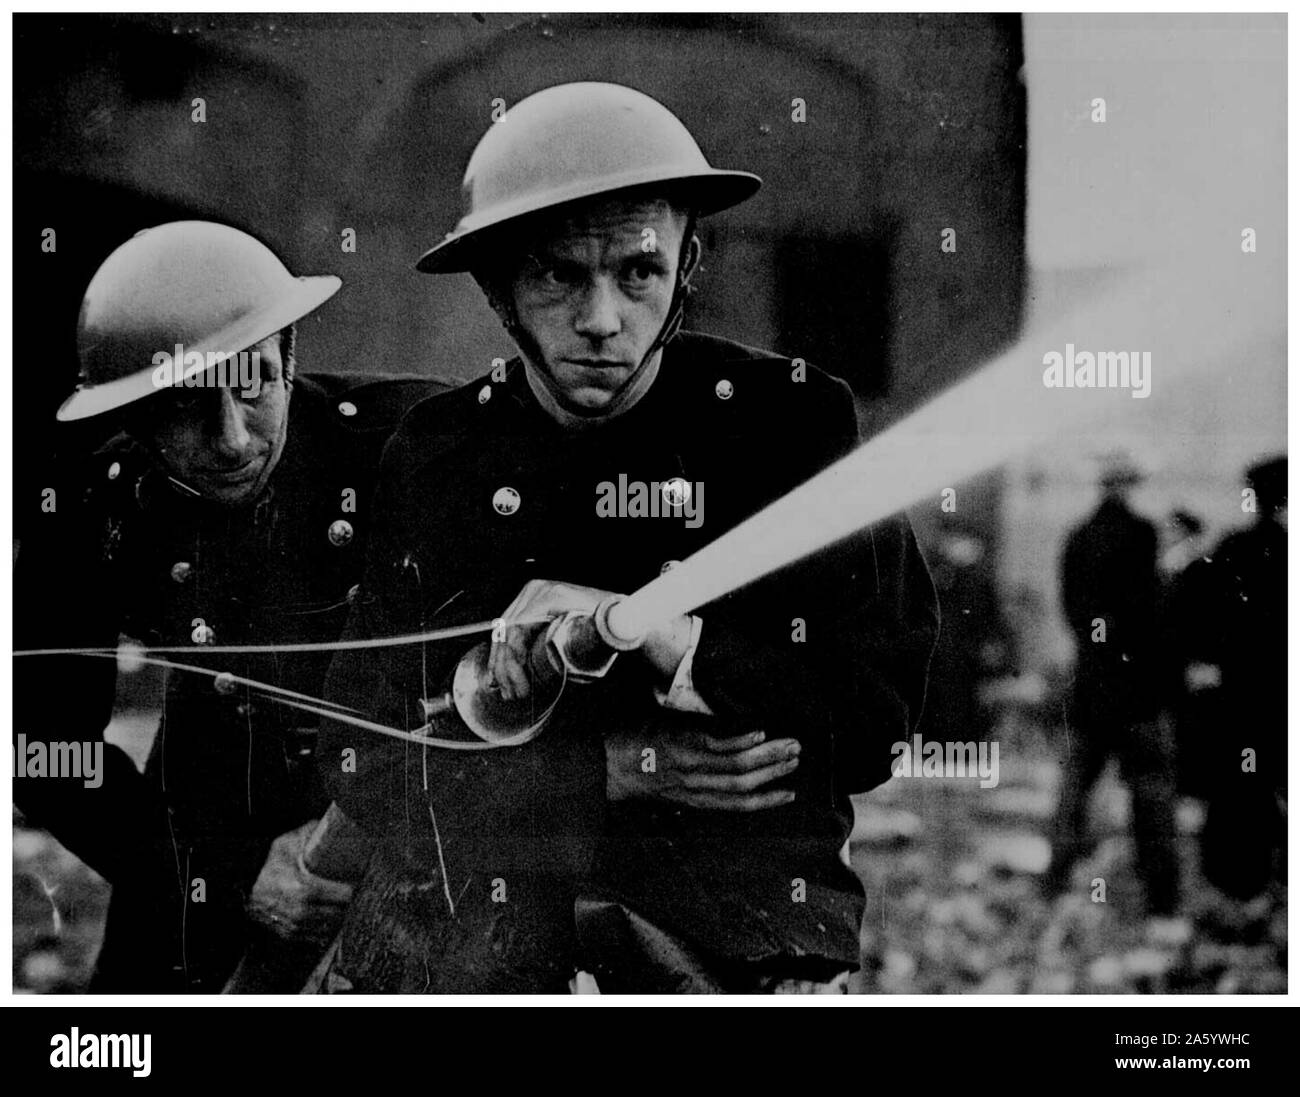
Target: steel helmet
205,286
576,141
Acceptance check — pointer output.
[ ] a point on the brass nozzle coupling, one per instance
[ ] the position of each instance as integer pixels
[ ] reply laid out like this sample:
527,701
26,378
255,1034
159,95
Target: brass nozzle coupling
584,644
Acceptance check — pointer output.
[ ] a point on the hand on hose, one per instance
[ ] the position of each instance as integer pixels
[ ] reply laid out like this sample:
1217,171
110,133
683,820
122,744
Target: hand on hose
681,764
538,603
291,902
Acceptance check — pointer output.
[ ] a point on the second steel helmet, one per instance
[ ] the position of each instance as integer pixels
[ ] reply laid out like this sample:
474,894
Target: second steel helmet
576,141
207,287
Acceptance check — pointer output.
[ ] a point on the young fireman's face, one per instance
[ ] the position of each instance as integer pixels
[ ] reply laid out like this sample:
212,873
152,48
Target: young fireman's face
595,292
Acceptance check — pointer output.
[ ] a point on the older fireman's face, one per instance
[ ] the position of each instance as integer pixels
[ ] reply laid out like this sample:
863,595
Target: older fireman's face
218,441
595,292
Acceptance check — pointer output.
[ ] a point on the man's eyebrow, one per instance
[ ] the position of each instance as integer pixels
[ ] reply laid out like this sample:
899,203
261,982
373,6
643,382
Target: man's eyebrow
545,254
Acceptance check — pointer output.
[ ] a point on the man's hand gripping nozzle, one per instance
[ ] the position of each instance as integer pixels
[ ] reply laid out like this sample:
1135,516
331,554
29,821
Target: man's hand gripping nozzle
575,647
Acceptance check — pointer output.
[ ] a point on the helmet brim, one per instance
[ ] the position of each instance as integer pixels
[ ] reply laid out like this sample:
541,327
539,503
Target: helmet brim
308,295
705,192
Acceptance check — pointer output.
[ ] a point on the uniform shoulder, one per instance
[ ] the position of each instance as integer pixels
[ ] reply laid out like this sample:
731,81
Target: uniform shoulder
447,414
367,402
91,485
735,381
113,468
1233,543
763,366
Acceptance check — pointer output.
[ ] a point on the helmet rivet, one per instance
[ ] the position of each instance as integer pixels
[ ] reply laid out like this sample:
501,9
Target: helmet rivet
347,409
485,394
340,532
181,571
505,500
114,470
224,683
724,389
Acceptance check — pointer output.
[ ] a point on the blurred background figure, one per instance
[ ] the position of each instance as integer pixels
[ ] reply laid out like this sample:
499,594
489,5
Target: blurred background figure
1190,681
1111,596
1245,622
1182,541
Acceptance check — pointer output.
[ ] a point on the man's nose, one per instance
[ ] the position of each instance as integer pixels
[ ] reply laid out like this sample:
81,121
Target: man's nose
598,316
229,434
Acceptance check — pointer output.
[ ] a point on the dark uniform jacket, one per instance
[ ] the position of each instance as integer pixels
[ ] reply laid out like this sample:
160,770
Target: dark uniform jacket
127,552
454,548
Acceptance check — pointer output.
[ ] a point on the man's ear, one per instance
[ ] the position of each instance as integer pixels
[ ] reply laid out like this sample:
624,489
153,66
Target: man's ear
288,354
499,291
691,261
497,296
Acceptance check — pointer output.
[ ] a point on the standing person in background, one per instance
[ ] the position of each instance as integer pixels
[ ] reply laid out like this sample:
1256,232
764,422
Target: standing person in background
1245,617
1110,590
1190,685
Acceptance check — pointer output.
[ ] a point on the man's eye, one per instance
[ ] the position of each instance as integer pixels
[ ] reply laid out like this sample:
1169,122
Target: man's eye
640,273
187,398
561,274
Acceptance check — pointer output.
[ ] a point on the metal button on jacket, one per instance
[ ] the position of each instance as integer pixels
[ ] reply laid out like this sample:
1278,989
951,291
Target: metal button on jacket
724,389
340,532
347,408
676,492
181,571
505,500
300,743
485,394
114,470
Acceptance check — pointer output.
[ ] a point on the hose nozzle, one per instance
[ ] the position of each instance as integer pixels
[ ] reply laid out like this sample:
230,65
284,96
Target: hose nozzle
576,647
584,644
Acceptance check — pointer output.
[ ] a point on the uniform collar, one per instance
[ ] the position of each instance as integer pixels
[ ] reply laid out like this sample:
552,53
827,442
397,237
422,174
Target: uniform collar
546,393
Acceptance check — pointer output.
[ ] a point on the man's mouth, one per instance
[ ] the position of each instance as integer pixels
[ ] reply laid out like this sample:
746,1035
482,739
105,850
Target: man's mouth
235,475
597,368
